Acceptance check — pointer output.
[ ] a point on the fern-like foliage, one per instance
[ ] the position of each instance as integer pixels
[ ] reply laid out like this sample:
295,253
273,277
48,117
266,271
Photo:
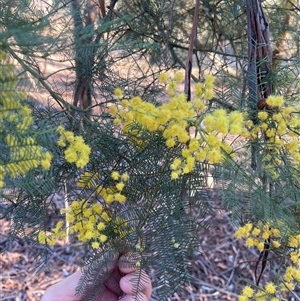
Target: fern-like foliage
157,209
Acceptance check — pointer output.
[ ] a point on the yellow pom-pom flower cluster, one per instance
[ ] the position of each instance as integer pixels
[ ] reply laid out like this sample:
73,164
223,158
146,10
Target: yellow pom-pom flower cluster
86,221
209,87
280,127
261,236
256,236
275,101
109,194
267,293
89,221
51,238
76,150
15,130
174,120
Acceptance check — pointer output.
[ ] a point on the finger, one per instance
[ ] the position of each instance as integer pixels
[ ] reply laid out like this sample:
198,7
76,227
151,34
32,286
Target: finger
135,283
140,297
99,277
63,290
108,296
128,262
112,283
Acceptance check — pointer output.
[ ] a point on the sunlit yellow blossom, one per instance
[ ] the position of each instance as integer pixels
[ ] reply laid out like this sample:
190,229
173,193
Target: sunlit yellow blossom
185,153
220,113
135,102
213,140
294,122
260,296
270,288
194,144
108,198
199,104
288,276
101,226
287,111
183,136
120,198
125,103
276,244
120,186
176,163
266,234
163,78
115,175
201,155
26,110
214,156
209,123
227,148
262,115
276,232
89,234
170,142
46,162
275,101
42,237
255,231
198,89
250,242
294,257
209,82
172,87
70,217
190,163
270,133
179,77
174,175
112,111
242,232
103,238
236,129
296,275
287,286
95,244
69,136
209,94
248,291
105,217
70,155
125,177
236,117
293,242
87,212
118,93
260,246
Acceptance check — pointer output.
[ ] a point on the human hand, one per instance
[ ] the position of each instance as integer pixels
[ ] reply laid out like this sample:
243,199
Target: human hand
125,273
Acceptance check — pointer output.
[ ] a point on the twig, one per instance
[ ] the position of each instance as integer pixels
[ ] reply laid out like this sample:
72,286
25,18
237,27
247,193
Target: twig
189,61
66,207
62,103
214,287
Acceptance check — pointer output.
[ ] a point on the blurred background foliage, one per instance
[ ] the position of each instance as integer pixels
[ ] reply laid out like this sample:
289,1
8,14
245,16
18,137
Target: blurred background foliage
69,57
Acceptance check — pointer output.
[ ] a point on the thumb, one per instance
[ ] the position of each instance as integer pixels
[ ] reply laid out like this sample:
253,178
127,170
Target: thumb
137,284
